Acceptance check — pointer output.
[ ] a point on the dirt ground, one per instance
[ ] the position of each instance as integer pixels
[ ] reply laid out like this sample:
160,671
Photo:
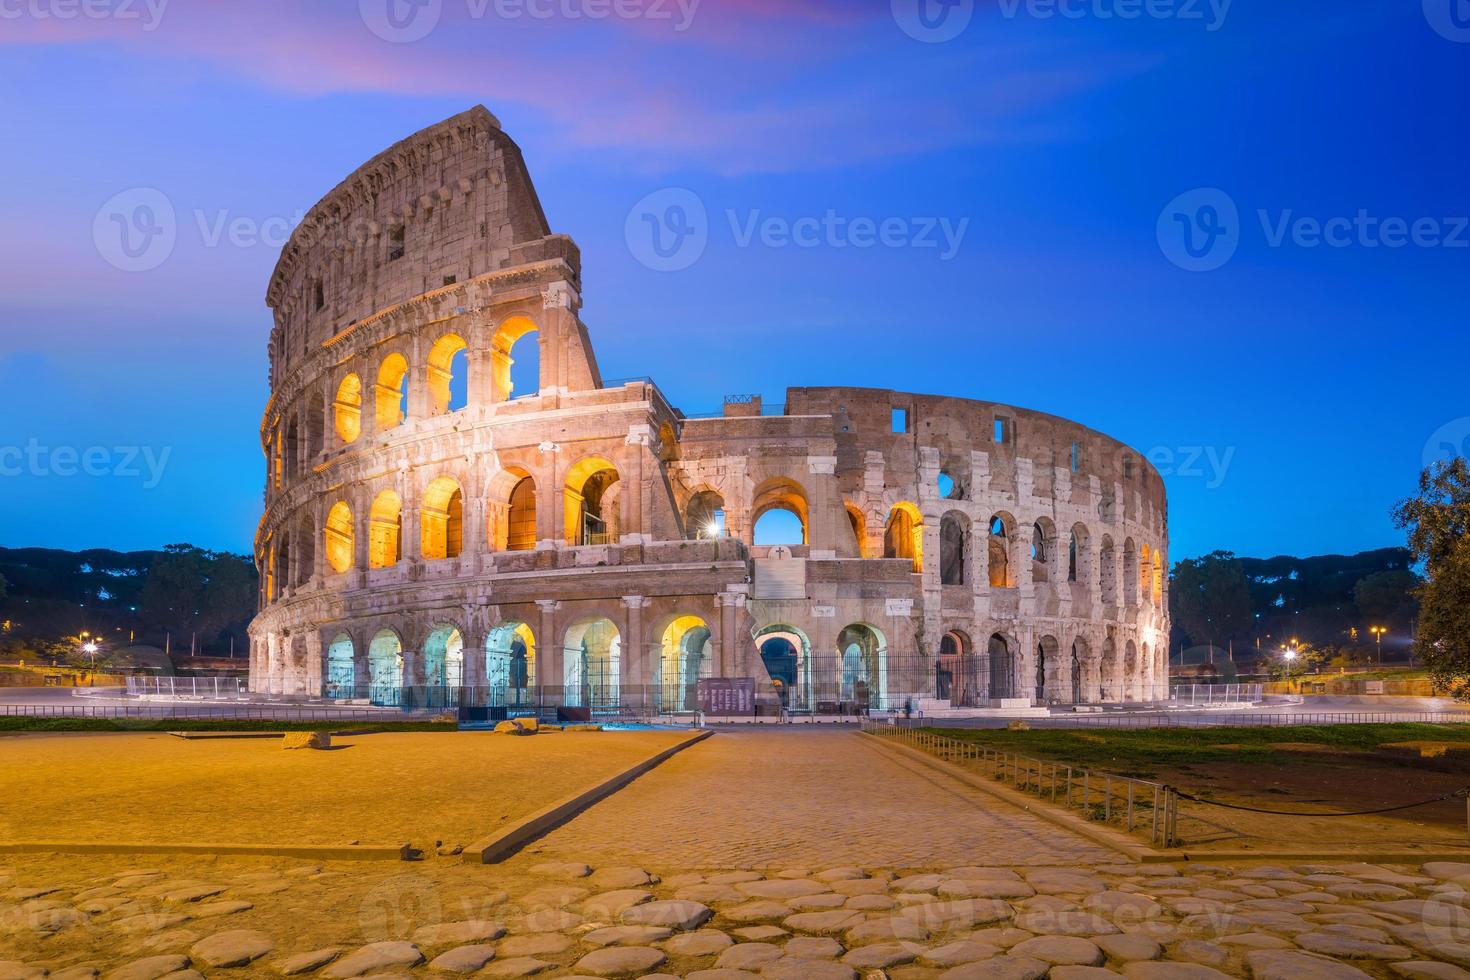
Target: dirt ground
1313,779
375,789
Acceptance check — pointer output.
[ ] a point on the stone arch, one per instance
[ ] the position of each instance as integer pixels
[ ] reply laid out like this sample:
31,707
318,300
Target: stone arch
704,515
954,548
1108,571
592,494
385,667
341,667
779,493
903,534
1158,578
293,449
785,652
448,374
1000,655
951,483
668,444
441,520
390,395
385,527
305,551
1078,540
1130,671
1000,549
511,511
510,664
1110,677
954,669
858,521
1130,572
1043,549
592,663
444,657
347,409
686,654
1079,664
316,423
504,344
862,665
1145,573
1049,669
283,562
338,538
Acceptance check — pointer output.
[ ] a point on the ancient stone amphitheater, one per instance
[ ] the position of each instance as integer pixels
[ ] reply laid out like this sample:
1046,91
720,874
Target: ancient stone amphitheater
433,534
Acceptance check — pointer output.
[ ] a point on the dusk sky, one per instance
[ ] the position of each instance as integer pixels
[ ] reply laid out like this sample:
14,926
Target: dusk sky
1029,169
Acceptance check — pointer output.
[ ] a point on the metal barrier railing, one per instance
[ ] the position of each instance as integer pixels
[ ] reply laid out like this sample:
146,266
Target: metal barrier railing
1135,804
188,687
1124,719
239,711
1216,693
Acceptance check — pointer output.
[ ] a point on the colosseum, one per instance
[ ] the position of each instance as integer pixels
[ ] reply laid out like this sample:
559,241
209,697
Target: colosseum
436,534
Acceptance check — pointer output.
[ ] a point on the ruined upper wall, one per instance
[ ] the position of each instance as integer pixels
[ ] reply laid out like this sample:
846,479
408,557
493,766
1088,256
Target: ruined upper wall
449,203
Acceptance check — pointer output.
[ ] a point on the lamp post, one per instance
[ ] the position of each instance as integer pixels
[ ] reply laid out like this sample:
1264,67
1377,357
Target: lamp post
1378,632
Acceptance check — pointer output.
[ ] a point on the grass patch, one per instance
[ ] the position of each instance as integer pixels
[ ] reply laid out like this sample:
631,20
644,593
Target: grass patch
22,724
1143,752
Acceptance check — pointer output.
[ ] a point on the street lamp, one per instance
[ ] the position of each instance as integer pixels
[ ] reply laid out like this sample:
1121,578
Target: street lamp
1378,632
91,650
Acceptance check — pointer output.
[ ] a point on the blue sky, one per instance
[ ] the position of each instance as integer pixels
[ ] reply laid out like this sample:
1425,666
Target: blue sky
1290,394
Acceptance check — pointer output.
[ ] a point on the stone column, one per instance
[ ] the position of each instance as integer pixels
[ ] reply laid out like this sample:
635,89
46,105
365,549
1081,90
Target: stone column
634,677
728,603
315,666
550,676
821,504
639,441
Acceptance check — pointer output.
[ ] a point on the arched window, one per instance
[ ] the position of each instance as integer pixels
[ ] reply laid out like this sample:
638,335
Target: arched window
949,487
705,515
521,519
448,374
347,409
1108,571
954,548
1074,555
592,498
444,658
1130,572
1002,668
515,356
903,537
341,668
686,656
338,537
385,546
859,525
1158,578
392,392
385,668
592,664
780,513
315,428
999,556
293,450
441,520
510,664
862,665
305,552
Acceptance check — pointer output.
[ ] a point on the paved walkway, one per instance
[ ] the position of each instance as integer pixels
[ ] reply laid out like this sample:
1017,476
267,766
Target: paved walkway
762,799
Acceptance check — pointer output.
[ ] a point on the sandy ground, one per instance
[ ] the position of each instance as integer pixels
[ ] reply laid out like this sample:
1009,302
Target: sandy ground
375,789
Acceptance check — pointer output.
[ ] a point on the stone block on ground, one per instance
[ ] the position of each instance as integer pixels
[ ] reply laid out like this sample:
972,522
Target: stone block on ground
306,740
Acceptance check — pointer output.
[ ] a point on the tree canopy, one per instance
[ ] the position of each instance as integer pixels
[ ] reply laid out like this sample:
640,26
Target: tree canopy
1437,520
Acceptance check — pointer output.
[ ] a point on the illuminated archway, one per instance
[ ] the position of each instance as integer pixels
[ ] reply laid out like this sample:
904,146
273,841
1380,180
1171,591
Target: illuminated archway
704,517
859,524
347,409
338,537
510,664
787,499
391,392
903,535
592,496
862,655
786,654
441,520
341,667
686,655
385,543
444,658
448,372
592,664
385,667
515,340
1002,532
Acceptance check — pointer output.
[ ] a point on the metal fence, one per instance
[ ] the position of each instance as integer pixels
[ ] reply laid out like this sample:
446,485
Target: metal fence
1136,805
237,711
213,688
1216,693
1129,719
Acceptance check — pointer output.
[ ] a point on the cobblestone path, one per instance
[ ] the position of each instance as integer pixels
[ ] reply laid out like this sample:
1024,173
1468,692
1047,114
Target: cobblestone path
755,799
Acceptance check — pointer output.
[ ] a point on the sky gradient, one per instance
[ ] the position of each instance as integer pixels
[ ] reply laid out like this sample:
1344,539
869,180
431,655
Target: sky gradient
1290,394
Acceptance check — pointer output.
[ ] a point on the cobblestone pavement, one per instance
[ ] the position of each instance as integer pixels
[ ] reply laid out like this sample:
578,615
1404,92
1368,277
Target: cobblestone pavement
757,799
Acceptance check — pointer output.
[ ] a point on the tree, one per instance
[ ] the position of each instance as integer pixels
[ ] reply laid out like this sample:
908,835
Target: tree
1438,520
1382,595
190,590
1209,598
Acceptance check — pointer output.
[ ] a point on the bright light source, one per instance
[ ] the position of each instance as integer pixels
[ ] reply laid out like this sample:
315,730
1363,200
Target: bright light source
90,648
712,530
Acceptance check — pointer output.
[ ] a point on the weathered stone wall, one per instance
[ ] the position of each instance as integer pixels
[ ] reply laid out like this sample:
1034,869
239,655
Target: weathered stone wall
622,484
